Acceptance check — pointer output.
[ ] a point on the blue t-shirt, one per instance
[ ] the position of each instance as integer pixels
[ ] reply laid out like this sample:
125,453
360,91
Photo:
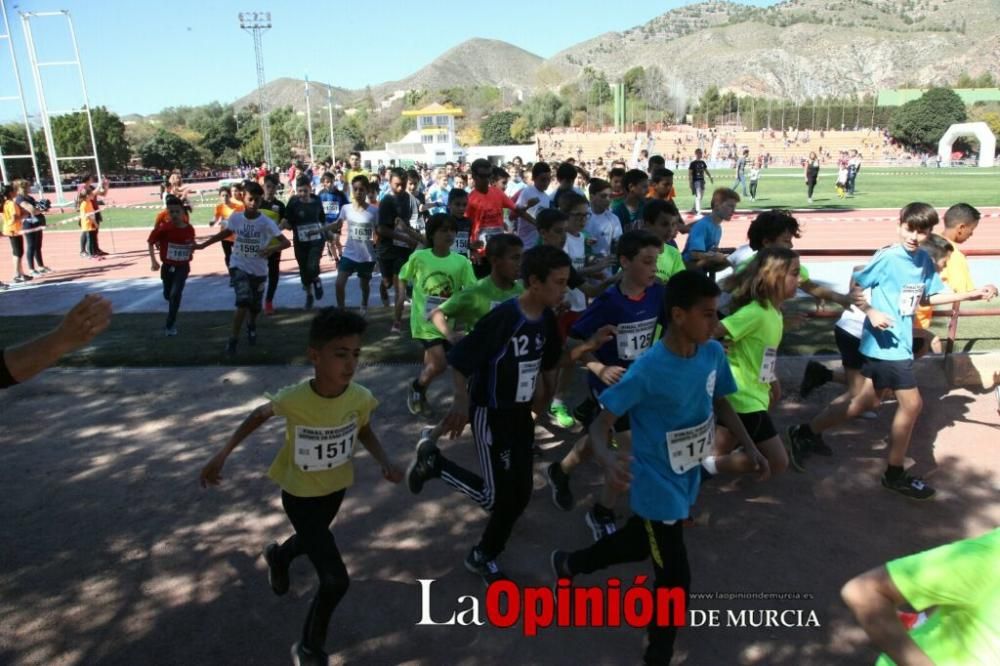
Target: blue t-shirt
704,236
636,321
437,197
332,203
898,281
664,394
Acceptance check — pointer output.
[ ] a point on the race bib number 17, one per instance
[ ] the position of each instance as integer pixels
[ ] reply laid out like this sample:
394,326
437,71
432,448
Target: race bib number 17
686,448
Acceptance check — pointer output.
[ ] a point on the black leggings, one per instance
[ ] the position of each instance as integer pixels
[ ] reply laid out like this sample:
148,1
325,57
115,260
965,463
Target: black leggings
638,540
33,249
88,243
174,278
503,439
753,189
273,273
311,517
227,251
308,255
810,187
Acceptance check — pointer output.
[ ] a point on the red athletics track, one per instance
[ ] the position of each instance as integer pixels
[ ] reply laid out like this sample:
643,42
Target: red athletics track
821,229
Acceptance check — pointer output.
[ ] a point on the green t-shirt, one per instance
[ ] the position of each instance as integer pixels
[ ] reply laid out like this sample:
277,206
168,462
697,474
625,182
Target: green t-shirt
803,271
755,332
470,305
435,280
669,263
962,580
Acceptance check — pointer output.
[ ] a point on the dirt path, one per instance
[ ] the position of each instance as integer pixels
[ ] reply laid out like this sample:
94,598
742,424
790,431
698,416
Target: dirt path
114,556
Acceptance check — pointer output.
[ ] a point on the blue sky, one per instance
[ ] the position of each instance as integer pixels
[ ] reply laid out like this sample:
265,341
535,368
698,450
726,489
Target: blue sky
142,55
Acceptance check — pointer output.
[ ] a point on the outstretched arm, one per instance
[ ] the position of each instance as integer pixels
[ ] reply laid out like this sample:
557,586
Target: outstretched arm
211,474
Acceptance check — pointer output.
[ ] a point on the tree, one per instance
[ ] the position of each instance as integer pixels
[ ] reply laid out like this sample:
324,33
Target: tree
470,135
496,128
169,151
219,137
72,137
634,80
921,123
521,132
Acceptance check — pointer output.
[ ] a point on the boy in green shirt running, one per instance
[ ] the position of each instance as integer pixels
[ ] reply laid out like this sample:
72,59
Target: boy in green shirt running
662,218
470,305
436,274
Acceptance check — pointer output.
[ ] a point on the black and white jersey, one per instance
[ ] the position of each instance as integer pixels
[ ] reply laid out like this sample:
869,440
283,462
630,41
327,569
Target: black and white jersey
504,354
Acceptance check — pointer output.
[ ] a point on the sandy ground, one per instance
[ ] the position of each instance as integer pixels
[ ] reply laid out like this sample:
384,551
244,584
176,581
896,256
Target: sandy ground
113,554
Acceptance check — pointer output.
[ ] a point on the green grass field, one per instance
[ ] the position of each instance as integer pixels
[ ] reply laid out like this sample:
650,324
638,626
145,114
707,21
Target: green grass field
878,187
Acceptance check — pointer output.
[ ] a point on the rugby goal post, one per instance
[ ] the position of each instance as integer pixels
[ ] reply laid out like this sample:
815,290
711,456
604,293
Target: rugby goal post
981,131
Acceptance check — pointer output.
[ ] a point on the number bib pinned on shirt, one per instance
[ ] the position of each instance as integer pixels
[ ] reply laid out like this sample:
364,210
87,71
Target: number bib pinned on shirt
318,449
431,303
768,365
360,232
247,248
461,244
909,299
178,252
489,232
686,448
634,338
527,376
331,208
309,232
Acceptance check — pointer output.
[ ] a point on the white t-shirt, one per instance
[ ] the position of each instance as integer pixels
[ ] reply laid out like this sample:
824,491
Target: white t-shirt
360,229
527,231
576,248
604,229
252,236
852,320
740,254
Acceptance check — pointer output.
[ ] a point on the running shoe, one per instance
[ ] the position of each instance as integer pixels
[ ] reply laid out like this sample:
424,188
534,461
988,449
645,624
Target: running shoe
252,335
318,289
231,347
414,399
45,270
816,375
559,561
20,279
796,445
397,328
36,273
383,292
3,286
269,307
489,570
309,300
558,480
363,312
277,576
424,465
601,522
909,486
562,416
869,415
303,657
170,332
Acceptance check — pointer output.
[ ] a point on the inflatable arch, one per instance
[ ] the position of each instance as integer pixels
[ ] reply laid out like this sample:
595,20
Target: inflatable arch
987,142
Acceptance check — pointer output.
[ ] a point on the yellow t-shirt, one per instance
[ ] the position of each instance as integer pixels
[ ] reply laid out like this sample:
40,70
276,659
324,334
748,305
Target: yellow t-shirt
320,437
11,219
958,278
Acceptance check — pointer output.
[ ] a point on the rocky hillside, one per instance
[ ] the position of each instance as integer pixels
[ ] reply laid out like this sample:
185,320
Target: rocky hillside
794,49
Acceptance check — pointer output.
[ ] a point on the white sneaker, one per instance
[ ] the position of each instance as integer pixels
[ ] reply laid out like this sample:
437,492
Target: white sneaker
363,312
170,332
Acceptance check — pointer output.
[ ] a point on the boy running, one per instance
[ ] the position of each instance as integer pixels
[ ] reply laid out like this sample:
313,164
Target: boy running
701,252
333,200
274,208
324,417
664,220
257,237
305,217
396,240
635,308
458,201
672,395
175,242
358,255
629,209
697,170
602,225
900,277
496,369
436,273
230,201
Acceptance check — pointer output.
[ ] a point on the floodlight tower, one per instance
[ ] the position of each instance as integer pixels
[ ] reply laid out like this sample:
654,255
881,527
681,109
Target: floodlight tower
256,23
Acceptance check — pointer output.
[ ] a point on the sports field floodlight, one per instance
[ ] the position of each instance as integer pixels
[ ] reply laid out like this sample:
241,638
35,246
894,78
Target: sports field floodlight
256,23
19,97
43,107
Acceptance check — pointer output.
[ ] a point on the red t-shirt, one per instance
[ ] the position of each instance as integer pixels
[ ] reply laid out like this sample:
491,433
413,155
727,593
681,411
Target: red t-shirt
175,243
486,211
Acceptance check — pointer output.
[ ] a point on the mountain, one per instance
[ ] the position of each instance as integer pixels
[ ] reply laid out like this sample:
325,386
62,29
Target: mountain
802,48
794,49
